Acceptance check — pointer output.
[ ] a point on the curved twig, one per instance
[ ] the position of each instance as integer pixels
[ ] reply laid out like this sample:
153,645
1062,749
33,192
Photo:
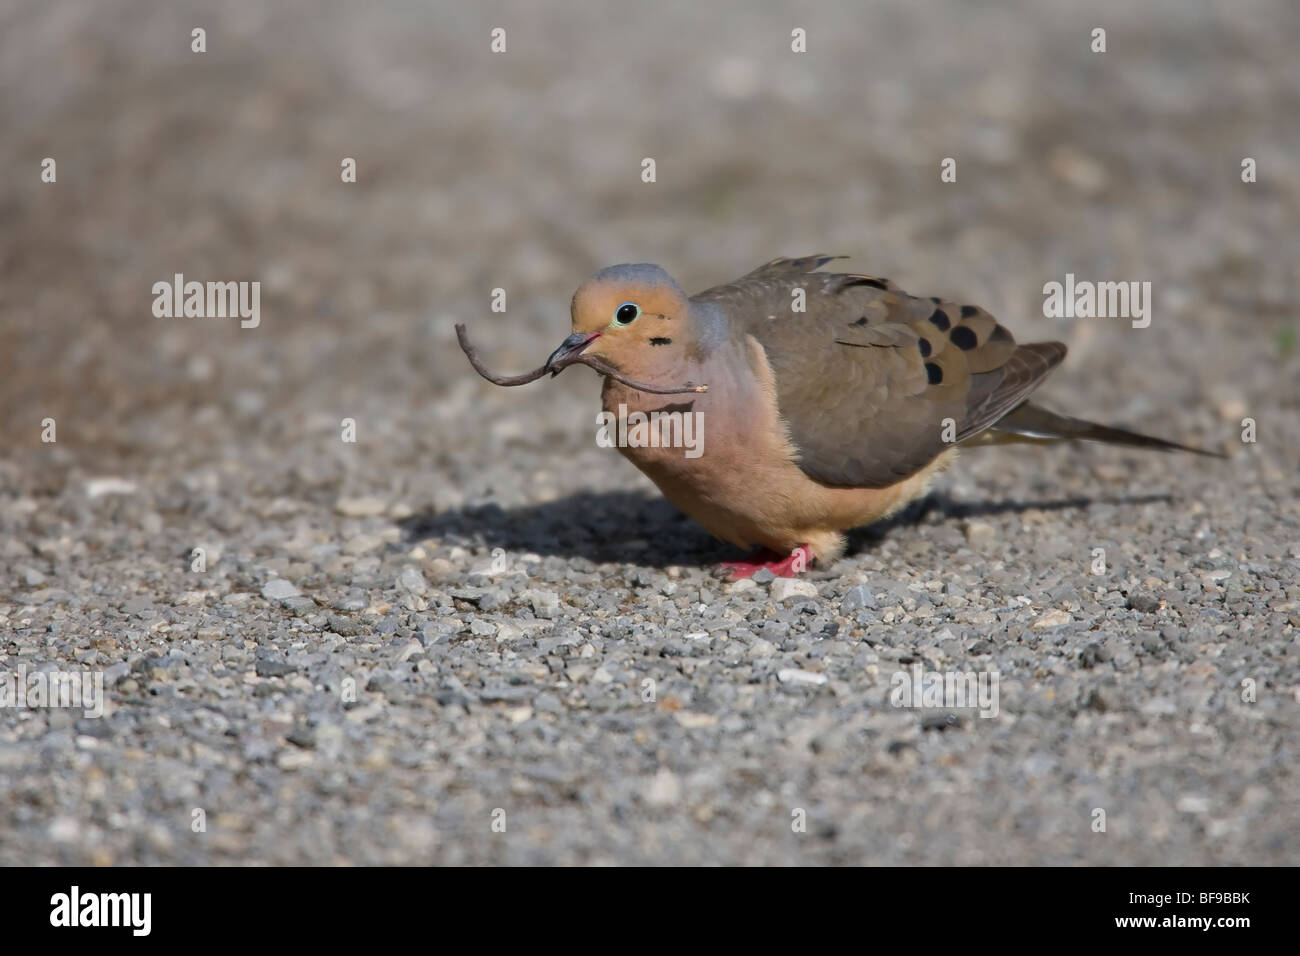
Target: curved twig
472,354
594,363
589,360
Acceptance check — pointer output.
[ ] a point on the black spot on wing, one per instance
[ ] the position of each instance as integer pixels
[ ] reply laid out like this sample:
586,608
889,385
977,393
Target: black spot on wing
660,340
934,373
963,338
967,311
924,345
939,319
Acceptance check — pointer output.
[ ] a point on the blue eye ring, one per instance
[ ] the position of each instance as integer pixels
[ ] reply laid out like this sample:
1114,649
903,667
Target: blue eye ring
626,313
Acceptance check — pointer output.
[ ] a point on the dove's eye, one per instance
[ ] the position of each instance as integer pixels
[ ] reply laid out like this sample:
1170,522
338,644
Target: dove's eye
626,312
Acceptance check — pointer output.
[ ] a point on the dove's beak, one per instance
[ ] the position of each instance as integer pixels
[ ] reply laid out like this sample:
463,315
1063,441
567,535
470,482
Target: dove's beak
570,351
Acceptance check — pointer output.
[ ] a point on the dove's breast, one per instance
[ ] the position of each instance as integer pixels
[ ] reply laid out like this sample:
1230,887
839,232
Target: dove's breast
739,476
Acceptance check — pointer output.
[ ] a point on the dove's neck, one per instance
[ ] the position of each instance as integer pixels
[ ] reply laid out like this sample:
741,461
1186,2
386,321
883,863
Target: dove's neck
702,351
707,329
707,432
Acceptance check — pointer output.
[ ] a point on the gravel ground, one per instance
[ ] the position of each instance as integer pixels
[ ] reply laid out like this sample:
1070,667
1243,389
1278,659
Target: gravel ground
432,645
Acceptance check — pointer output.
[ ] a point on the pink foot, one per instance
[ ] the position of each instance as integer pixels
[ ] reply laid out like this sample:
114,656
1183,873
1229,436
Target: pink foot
787,567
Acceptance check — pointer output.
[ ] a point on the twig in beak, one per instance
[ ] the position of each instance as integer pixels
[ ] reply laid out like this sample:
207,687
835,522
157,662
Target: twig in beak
590,361
472,354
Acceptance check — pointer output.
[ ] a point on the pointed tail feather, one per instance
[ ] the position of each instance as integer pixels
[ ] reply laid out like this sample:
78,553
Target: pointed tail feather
1029,422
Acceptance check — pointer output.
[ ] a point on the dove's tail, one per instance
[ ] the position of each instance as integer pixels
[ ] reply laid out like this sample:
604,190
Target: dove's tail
1029,423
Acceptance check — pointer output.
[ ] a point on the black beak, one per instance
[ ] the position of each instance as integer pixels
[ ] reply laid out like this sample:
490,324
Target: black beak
570,351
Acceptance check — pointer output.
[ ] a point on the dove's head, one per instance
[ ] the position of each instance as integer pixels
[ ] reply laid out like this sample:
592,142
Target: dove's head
633,317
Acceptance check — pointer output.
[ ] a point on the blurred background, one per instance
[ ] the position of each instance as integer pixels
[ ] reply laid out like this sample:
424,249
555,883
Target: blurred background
521,170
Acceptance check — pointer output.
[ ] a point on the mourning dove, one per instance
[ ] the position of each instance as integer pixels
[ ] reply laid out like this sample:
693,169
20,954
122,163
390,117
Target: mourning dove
813,421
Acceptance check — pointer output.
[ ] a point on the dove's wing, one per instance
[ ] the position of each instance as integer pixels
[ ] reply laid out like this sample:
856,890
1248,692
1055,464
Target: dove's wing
871,382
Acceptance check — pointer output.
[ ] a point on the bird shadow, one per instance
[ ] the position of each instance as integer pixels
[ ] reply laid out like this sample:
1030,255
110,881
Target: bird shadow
938,508
628,526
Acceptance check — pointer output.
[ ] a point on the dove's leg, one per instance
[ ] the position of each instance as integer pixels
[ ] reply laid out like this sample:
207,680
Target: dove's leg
787,567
